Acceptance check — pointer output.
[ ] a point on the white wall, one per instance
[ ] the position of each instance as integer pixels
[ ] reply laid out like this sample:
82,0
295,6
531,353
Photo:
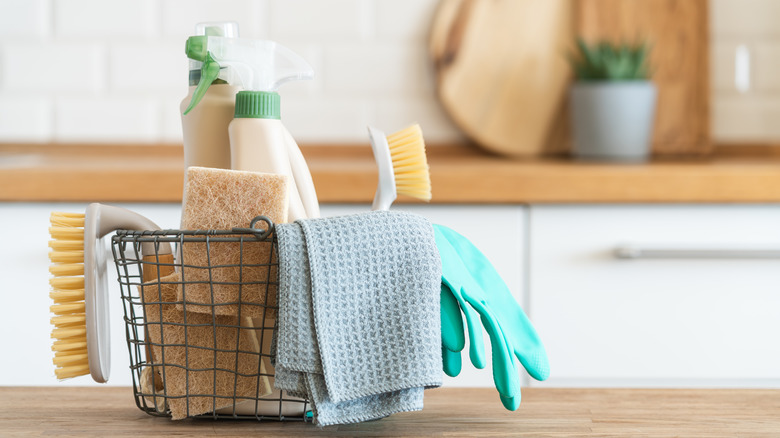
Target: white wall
751,115
115,71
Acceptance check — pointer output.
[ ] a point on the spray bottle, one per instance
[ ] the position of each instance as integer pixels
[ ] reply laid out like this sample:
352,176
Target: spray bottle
259,141
206,141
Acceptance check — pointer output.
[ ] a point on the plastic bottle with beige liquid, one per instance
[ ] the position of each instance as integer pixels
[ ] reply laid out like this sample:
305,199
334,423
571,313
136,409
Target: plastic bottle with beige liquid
259,142
206,142
207,111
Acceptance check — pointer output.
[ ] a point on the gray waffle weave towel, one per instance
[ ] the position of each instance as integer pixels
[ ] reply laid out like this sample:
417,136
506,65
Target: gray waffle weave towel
358,314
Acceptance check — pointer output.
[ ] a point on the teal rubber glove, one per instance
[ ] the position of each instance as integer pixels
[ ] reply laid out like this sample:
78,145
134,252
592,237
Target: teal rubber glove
451,322
457,278
521,334
452,337
474,282
453,341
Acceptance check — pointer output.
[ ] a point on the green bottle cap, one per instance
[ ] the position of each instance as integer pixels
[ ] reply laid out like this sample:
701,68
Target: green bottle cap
196,47
257,105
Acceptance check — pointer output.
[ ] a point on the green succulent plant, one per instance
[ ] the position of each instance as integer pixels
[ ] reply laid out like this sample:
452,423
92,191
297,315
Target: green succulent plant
605,61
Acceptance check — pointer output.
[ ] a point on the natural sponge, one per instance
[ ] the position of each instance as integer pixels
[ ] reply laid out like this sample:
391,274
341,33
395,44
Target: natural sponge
217,278
198,354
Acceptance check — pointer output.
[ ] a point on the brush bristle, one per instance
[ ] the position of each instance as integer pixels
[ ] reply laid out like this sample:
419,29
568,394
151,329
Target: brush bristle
410,164
69,332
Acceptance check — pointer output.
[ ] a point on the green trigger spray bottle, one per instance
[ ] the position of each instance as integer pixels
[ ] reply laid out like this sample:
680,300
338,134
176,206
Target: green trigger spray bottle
204,128
259,142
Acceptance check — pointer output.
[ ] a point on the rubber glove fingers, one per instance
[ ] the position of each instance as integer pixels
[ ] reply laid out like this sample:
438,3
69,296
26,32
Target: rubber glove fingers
511,403
535,362
452,335
520,332
453,275
476,343
505,375
451,362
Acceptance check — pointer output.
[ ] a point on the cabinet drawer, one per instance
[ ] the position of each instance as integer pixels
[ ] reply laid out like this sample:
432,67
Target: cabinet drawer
656,321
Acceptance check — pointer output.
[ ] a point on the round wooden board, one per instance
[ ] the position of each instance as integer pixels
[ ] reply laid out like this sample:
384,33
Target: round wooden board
501,69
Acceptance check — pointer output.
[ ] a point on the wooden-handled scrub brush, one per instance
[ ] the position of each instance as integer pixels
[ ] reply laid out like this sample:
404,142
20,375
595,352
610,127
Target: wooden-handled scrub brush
80,288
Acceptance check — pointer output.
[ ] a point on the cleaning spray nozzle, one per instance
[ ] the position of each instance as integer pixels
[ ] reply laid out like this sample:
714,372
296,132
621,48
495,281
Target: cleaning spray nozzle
256,65
196,49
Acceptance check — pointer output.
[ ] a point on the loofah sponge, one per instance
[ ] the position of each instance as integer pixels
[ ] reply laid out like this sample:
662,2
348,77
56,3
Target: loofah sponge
192,369
223,199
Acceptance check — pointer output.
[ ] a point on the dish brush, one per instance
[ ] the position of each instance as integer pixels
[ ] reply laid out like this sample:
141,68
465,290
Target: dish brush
80,288
402,164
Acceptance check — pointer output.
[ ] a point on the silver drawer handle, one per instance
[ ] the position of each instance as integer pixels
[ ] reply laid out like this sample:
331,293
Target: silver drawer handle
641,252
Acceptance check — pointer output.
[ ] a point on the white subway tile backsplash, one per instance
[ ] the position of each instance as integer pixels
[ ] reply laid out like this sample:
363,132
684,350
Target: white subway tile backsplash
100,18
121,120
740,19
326,120
115,70
392,115
180,16
722,66
53,68
376,69
25,119
170,120
751,116
766,67
24,18
98,57
746,118
149,68
404,19
318,20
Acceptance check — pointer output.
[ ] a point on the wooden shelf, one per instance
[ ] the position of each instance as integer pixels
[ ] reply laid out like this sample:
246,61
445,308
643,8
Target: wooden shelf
459,174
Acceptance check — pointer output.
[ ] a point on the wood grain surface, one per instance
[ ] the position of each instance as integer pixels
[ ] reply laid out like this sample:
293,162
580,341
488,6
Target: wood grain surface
459,174
451,412
501,70
678,32
503,78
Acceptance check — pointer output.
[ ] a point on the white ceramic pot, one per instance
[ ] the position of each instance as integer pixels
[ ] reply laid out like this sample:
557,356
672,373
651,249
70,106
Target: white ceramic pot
612,120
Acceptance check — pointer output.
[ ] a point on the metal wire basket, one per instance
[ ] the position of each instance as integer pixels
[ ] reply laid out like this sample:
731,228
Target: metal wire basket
196,357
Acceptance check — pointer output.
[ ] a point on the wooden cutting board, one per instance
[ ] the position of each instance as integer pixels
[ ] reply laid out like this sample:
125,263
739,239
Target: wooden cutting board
501,69
502,73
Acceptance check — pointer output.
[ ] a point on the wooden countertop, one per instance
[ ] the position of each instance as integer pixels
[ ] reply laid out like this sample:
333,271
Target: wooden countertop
459,174
111,411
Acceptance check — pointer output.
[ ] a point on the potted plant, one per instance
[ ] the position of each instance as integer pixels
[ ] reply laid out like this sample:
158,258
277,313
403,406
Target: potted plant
612,102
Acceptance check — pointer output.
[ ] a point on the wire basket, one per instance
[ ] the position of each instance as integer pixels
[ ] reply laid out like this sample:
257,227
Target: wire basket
200,327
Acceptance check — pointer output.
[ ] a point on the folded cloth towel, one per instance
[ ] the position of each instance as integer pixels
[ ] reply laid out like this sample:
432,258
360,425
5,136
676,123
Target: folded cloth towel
358,314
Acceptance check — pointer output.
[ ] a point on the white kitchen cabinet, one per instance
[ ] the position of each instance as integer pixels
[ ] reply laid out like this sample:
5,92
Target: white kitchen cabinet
498,230
656,322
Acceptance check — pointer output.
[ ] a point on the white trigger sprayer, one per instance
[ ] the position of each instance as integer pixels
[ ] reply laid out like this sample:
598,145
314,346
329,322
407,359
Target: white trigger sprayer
258,140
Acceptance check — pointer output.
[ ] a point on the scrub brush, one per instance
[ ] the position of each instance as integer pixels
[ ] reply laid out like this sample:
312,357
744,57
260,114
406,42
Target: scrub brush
402,164
79,285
